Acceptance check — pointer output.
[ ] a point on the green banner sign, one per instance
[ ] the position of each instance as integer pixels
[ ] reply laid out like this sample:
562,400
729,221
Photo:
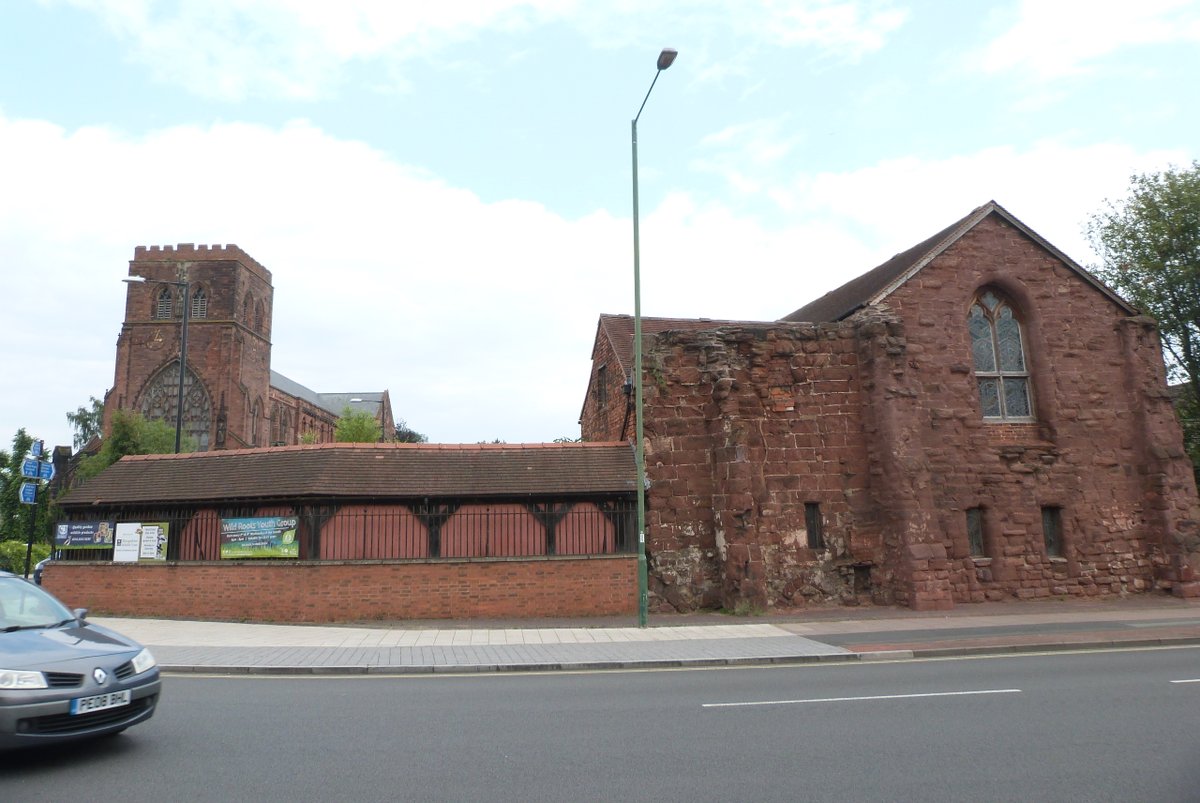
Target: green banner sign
267,537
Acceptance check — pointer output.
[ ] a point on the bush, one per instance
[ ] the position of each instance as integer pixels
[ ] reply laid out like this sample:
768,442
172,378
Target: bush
12,556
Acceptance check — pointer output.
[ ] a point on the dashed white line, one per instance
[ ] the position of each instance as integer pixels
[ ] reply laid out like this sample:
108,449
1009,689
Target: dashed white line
1187,680
861,699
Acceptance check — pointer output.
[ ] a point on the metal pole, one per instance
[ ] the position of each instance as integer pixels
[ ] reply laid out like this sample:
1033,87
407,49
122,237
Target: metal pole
32,530
639,445
182,364
664,61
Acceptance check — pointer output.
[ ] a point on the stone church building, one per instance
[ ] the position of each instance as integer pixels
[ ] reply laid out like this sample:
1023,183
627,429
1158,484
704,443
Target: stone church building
978,418
232,398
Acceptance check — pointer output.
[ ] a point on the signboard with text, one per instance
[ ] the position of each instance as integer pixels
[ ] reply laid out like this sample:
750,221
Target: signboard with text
83,535
263,537
127,543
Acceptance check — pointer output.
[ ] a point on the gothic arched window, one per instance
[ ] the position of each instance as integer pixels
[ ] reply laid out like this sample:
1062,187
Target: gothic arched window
258,317
159,401
998,352
164,303
199,303
246,309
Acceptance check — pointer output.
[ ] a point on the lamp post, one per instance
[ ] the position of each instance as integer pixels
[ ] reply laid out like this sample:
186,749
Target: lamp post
665,59
183,338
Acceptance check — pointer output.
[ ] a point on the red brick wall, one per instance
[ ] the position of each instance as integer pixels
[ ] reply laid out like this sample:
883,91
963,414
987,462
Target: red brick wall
344,592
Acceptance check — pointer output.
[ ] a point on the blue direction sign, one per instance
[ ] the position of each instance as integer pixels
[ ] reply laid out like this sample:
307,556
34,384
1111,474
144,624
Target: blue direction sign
37,469
37,448
29,493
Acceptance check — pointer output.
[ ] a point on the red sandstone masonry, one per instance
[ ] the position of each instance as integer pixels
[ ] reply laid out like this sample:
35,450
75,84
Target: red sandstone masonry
324,591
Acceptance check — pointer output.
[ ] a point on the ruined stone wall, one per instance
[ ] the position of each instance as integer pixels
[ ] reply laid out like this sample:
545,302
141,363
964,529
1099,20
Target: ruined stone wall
745,425
877,420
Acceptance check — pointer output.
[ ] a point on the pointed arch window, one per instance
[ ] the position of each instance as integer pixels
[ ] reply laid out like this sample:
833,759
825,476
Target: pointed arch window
199,303
258,317
998,352
246,309
164,303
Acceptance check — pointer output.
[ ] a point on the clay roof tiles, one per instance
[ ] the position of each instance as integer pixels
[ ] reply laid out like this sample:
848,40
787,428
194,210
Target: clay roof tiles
363,471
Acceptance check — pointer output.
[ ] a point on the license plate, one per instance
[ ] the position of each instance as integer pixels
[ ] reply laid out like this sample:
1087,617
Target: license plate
86,705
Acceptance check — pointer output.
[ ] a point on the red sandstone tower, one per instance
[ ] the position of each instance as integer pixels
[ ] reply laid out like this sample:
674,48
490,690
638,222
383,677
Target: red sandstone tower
227,381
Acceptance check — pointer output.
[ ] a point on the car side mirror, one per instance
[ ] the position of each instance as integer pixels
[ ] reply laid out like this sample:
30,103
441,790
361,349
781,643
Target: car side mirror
80,613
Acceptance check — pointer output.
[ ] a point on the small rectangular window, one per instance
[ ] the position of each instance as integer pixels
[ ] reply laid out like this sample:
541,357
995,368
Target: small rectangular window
813,525
602,386
975,532
1052,531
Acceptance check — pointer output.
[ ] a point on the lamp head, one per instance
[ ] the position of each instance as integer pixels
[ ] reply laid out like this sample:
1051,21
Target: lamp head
135,279
666,58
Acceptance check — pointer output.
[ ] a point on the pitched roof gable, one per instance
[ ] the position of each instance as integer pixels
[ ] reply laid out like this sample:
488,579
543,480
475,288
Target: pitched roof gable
360,471
875,285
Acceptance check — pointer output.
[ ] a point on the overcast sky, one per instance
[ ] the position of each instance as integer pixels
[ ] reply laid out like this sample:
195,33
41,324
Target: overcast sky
442,190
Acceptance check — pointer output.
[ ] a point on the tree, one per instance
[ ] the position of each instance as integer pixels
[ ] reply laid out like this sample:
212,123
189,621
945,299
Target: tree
87,422
406,435
1150,246
132,434
357,427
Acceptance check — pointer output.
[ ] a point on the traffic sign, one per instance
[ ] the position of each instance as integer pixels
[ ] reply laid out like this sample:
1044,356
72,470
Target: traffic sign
45,470
37,448
30,469
29,493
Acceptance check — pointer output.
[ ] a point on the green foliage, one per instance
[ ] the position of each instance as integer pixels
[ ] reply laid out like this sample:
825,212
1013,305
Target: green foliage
357,427
132,434
568,439
406,435
14,514
1150,246
309,437
87,422
12,556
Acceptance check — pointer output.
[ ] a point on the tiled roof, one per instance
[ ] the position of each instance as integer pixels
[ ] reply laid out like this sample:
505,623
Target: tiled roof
619,331
875,285
363,471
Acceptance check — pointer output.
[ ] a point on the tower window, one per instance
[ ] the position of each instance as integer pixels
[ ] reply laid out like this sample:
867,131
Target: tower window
163,307
199,303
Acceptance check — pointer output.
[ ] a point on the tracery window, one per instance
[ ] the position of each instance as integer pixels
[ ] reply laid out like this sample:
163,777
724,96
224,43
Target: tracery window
199,303
159,401
164,303
998,351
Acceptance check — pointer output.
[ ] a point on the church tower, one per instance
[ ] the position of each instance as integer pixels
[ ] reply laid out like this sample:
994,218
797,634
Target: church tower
227,376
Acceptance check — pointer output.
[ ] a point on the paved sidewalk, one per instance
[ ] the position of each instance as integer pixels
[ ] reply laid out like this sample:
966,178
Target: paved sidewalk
671,641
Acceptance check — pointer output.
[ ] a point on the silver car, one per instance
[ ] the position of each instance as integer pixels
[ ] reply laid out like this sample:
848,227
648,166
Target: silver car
62,677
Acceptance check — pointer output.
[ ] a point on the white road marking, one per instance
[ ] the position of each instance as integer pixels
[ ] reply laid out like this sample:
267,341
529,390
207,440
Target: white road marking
859,699
1188,680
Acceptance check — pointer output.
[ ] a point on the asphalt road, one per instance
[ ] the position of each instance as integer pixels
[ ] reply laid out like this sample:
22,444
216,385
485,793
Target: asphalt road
1117,726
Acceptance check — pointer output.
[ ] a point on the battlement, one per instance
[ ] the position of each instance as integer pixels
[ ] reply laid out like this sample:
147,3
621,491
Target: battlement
189,252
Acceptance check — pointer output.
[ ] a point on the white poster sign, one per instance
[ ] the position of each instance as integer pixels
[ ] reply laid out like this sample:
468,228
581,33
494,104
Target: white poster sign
127,543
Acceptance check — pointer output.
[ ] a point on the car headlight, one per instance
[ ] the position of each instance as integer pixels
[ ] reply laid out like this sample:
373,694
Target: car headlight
21,679
142,661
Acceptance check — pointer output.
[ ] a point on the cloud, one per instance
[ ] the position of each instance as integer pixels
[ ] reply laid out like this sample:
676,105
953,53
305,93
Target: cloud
1051,40
300,49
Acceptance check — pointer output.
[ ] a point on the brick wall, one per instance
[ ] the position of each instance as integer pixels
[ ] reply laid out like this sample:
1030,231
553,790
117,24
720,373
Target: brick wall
275,591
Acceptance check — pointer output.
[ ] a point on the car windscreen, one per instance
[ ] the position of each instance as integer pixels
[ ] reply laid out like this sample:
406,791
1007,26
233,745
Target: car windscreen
23,605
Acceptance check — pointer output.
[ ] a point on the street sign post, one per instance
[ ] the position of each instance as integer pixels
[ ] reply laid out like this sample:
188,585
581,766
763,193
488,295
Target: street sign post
45,470
29,493
37,448
29,468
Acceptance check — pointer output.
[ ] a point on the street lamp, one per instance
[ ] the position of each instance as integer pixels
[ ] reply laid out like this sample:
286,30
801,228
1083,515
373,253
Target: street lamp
182,282
665,59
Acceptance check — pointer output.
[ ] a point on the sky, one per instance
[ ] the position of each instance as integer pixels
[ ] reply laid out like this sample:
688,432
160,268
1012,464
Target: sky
443,191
